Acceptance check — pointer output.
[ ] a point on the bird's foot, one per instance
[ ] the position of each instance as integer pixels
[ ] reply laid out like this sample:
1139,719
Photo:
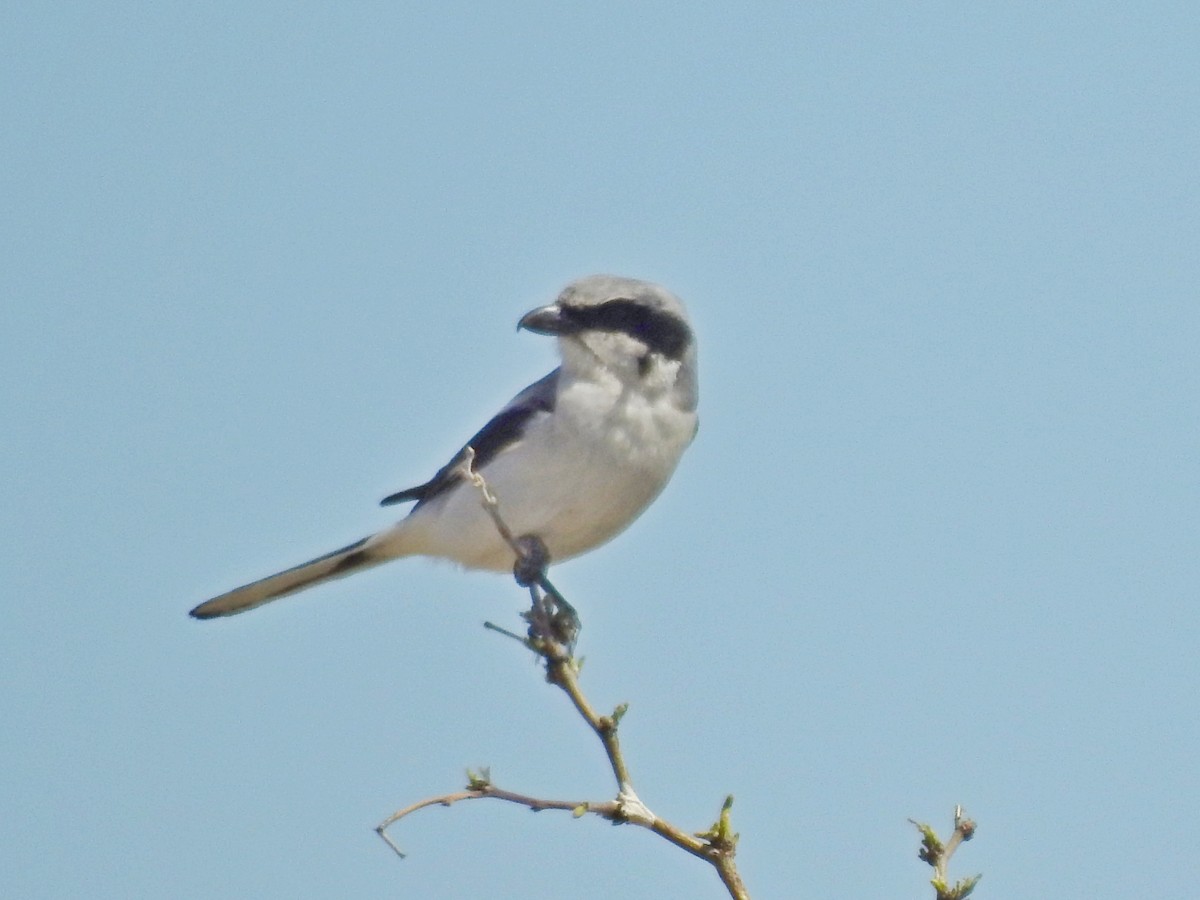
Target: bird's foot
554,618
551,616
533,558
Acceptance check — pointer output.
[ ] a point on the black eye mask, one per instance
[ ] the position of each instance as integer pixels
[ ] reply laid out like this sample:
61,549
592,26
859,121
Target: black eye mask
661,331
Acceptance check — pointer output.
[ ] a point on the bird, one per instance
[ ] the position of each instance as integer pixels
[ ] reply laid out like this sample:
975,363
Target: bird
573,459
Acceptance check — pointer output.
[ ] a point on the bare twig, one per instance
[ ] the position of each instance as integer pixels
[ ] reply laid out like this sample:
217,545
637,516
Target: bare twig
479,788
554,645
938,855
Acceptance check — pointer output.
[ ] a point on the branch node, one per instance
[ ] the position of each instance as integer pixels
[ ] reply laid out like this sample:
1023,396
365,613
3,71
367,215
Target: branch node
630,808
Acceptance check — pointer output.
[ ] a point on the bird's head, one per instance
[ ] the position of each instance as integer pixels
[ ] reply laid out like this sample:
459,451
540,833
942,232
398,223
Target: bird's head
636,330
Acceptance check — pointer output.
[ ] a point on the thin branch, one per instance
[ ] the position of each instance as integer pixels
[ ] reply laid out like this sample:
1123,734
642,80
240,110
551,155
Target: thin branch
479,791
550,640
491,506
715,846
563,672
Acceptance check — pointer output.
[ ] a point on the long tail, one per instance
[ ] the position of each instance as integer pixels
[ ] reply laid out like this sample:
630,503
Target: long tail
353,558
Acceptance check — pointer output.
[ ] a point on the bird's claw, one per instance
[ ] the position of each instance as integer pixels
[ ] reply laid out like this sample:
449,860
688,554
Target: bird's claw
533,558
551,615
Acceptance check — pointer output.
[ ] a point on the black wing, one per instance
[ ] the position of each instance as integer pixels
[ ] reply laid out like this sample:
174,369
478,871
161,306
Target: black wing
504,429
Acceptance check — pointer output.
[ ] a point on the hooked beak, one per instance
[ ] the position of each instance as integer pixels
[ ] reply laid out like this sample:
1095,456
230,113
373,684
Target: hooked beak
546,320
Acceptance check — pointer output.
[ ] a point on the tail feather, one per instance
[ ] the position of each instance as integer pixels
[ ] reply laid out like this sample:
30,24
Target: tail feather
351,558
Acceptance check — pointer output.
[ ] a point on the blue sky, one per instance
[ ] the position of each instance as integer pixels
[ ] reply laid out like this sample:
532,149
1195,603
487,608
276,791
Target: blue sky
935,544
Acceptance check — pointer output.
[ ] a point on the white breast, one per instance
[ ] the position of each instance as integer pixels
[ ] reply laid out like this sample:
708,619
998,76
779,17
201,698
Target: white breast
577,478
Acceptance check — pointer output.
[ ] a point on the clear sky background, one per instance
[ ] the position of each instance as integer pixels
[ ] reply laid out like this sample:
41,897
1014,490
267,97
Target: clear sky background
936,542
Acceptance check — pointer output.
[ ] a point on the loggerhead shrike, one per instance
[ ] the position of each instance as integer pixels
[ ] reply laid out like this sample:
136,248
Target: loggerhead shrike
573,459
